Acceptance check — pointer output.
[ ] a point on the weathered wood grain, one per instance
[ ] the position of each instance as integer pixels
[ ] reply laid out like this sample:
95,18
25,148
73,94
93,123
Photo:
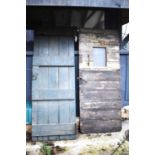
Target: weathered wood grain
54,78
49,94
104,105
57,129
55,61
34,112
100,85
95,114
53,138
99,126
72,111
42,112
64,111
99,96
70,137
94,75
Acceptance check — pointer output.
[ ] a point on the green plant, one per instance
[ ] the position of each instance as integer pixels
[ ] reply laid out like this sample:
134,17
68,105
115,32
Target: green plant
46,150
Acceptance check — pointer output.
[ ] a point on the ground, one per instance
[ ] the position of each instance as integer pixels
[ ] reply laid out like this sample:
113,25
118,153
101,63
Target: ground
115,143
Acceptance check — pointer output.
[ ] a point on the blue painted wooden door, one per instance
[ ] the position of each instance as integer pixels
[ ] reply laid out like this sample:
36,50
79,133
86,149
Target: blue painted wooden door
53,89
124,59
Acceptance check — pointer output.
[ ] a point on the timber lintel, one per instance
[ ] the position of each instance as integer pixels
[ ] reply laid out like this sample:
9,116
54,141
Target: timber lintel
124,4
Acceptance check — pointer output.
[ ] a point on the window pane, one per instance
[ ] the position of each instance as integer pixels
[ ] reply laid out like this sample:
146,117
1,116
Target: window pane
99,57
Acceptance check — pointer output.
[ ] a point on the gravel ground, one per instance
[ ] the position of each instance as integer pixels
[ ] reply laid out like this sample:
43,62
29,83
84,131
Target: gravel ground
90,144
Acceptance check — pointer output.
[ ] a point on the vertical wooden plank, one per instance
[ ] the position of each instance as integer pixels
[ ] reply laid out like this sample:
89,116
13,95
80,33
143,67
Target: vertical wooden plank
71,71
43,46
53,47
53,112
34,117
35,77
43,112
36,47
43,77
63,78
72,112
34,112
53,78
64,111
71,48
63,47
35,69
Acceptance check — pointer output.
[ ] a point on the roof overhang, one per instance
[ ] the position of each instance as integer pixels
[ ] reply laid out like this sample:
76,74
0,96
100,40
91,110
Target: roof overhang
124,4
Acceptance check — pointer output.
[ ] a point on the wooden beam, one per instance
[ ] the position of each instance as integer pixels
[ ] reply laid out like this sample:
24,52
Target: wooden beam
125,40
91,14
99,23
81,3
83,17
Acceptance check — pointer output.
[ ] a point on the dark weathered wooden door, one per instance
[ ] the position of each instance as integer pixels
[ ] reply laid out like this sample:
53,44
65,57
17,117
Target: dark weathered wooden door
53,88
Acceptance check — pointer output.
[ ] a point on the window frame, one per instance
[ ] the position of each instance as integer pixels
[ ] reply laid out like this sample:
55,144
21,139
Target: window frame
105,55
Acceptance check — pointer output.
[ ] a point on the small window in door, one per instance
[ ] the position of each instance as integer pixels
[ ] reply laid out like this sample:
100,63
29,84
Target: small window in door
99,57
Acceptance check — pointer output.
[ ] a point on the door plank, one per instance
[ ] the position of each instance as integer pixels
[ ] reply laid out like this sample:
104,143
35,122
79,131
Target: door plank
63,78
54,61
42,112
63,47
71,71
57,94
58,129
71,48
43,46
72,111
64,111
53,47
35,77
34,112
53,78
43,77
36,47
53,112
